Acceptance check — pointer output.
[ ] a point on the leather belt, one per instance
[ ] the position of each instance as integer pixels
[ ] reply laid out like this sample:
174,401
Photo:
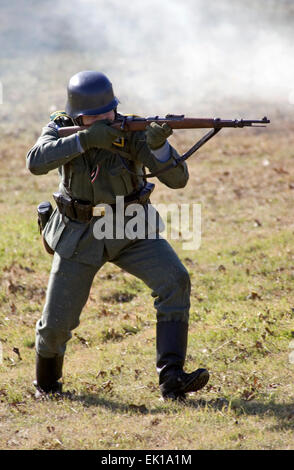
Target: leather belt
83,211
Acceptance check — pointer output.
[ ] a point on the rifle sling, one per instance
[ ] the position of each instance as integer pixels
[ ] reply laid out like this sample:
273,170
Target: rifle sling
184,157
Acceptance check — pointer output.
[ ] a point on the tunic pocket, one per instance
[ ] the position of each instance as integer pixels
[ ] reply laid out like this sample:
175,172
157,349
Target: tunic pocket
121,177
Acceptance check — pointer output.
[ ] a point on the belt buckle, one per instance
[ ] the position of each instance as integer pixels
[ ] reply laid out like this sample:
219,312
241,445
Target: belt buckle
98,211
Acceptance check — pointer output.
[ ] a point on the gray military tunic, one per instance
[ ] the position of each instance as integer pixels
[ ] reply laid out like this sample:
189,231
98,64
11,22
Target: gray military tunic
99,176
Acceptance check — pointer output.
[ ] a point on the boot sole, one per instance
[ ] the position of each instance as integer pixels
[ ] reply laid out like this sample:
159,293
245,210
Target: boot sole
197,381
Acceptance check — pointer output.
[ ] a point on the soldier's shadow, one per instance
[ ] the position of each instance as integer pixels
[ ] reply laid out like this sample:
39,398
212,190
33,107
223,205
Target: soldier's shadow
283,412
95,400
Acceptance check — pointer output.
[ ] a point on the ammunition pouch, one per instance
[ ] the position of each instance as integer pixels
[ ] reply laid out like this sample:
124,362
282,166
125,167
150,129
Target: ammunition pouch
74,209
140,197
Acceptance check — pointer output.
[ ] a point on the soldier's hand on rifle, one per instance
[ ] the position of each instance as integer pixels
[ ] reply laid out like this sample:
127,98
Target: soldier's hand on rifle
156,135
99,135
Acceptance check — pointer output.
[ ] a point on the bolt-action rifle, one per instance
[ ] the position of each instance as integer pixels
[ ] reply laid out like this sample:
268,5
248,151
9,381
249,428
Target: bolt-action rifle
134,123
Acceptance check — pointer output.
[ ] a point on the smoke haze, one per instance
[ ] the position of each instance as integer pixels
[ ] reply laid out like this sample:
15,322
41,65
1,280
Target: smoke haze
196,57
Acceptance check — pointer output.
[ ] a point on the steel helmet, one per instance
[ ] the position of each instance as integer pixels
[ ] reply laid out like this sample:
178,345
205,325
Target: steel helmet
89,93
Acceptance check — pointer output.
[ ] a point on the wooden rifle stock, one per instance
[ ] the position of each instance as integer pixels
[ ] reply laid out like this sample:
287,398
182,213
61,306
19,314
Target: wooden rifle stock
132,124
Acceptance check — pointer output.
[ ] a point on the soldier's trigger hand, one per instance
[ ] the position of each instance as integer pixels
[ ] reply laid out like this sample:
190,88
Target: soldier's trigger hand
100,135
156,135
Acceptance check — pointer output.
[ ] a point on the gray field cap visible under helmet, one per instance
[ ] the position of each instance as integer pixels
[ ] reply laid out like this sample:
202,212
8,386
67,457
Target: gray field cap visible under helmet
89,93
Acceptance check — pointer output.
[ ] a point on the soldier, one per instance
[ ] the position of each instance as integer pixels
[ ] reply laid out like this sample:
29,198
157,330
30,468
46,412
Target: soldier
96,165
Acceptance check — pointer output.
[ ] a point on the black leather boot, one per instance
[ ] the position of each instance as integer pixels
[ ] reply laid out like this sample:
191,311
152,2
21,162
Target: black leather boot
48,371
171,344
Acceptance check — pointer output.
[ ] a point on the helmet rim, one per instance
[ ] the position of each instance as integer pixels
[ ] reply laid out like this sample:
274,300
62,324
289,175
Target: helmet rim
92,111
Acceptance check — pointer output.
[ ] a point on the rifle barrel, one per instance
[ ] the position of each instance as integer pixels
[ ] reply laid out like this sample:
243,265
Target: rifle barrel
130,123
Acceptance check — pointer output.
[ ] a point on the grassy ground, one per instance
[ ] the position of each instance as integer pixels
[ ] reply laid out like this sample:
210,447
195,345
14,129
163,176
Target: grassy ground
241,325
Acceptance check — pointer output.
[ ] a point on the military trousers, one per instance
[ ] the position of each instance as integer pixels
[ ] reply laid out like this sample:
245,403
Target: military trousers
152,260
